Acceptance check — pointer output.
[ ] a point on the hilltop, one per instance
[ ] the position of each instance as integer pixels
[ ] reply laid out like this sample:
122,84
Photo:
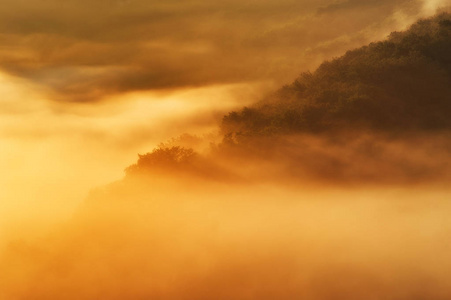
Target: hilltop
381,112
400,84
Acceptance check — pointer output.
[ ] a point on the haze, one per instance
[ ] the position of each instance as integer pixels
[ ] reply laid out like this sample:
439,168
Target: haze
204,213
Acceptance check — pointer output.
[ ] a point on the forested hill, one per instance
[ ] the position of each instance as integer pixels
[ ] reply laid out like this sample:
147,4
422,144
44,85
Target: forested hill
376,114
400,84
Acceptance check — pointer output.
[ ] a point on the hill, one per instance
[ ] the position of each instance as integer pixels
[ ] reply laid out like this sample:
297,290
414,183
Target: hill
378,113
400,84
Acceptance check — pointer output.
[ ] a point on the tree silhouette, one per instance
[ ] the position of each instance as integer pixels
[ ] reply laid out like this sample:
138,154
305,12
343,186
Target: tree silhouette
400,84
164,158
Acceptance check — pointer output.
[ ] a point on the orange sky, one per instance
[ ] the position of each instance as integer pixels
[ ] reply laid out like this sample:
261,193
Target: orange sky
87,50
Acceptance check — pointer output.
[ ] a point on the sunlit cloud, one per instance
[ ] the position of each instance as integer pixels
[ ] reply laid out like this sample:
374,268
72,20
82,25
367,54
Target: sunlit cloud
87,51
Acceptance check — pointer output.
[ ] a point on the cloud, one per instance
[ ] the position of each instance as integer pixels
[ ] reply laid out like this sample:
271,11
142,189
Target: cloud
87,50
340,6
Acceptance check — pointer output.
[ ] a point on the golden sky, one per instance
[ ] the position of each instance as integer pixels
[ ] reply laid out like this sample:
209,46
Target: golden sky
88,50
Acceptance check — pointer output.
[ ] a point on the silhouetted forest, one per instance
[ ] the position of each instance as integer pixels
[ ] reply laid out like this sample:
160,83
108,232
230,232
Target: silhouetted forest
380,112
400,84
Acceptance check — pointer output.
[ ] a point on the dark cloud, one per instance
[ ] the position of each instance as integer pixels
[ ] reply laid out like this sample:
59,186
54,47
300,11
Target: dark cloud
84,50
340,6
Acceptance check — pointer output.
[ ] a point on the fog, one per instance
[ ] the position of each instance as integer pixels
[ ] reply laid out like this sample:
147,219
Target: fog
52,154
310,217
162,238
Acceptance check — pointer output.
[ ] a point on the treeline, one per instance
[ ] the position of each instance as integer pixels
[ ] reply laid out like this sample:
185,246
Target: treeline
374,114
400,84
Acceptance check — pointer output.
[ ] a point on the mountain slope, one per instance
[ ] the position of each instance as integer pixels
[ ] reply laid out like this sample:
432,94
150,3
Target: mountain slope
378,113
402,83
